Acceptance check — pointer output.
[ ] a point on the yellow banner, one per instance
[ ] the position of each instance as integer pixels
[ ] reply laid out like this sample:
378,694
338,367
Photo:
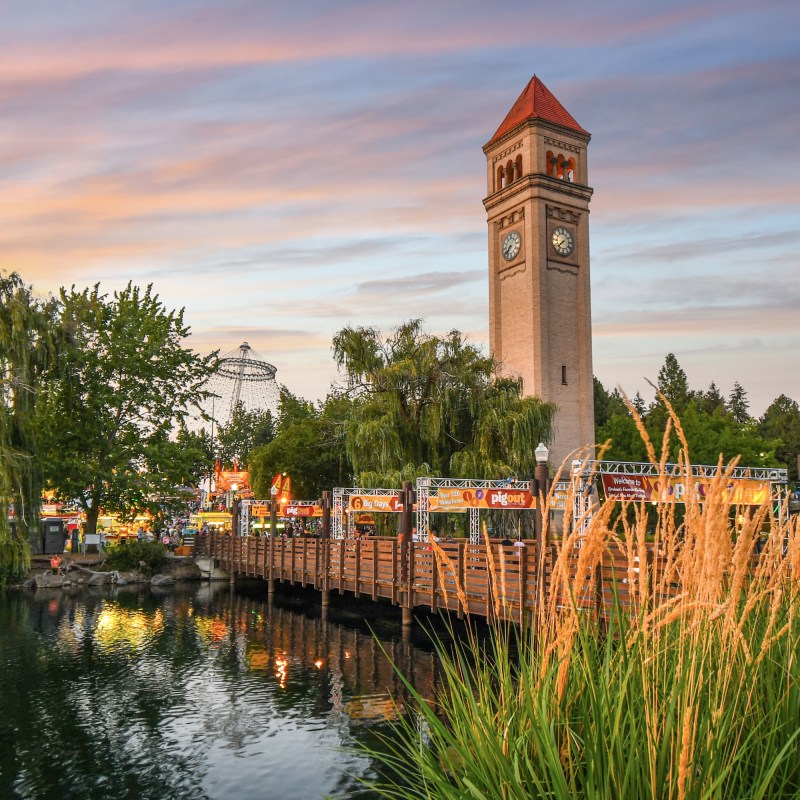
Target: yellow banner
672,489
374,502
449,499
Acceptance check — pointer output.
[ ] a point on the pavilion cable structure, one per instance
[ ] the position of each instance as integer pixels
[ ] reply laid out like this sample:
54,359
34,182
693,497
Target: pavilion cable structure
242,378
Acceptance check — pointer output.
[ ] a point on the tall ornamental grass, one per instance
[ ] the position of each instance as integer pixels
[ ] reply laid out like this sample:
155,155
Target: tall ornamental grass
688,686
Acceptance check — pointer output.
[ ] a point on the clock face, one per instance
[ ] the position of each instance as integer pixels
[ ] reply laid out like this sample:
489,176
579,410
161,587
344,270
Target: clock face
511,245
563,241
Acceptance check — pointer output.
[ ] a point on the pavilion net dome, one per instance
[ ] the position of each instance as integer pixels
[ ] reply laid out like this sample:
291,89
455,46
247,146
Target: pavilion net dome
242,376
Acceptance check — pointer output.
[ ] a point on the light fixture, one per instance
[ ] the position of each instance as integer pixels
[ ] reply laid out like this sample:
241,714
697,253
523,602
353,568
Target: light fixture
542,453
273,490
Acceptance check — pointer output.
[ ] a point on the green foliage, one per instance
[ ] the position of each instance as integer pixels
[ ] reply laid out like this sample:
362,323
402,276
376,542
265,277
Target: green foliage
26,349
738,404
146,557
781,423
428,405
123,383
244,431
308,445
682,685
613,723
713,426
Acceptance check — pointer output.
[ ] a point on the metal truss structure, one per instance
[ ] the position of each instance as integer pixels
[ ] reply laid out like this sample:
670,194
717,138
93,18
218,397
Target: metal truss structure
338,528
584,474
425,486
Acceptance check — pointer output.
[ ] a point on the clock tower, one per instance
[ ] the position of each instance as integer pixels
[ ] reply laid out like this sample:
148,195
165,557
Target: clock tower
540,326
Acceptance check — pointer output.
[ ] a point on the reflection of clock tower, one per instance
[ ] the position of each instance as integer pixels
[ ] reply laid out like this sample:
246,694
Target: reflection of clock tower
540,325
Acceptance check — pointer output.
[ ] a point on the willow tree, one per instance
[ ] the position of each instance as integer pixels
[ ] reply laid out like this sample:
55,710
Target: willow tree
25,344
430,405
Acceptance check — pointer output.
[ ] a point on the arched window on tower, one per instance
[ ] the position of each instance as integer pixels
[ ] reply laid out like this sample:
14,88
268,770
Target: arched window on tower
551,163
518,168
509,172
501,174
569,170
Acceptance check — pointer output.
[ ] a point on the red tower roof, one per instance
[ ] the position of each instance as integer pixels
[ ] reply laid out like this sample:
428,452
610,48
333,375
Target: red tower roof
536,102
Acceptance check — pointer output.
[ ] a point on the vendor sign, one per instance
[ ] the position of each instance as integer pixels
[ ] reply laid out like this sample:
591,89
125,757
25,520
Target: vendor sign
375,502
450,499
302,511
672,489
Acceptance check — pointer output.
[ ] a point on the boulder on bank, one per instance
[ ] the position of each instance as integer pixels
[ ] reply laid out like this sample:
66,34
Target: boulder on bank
47,580
100,579
162,580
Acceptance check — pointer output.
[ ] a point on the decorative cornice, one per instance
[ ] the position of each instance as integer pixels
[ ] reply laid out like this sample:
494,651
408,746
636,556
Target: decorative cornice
562,214
515,217
506,152
537,180
561,145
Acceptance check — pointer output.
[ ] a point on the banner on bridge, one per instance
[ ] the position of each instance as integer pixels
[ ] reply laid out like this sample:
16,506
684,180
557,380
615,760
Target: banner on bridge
452,499
672,489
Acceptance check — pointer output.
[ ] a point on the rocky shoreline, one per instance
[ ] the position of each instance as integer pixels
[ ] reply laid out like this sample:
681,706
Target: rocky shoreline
83,572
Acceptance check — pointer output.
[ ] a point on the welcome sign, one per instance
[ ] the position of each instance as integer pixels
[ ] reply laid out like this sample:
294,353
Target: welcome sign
672,489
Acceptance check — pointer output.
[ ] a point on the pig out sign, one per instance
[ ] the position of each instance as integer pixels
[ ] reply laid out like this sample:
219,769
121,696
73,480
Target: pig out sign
449,499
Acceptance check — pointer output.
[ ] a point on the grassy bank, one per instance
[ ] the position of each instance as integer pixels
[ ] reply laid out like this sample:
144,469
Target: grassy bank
688,689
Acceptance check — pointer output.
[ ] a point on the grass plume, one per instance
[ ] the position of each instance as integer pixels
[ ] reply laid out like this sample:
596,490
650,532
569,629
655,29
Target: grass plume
677,679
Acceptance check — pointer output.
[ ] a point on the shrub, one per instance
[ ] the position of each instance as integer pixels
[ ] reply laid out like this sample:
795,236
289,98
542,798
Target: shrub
147,557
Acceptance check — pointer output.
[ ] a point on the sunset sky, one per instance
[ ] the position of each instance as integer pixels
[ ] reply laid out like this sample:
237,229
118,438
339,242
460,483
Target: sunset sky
285,169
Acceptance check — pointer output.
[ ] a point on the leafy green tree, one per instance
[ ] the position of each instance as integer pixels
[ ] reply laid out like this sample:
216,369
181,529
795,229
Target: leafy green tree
781,422
431,405
244,431
122,386
26,349
308,445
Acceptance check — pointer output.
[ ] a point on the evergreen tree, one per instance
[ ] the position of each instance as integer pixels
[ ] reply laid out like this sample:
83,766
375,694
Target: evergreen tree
673,384
781,422
602,404
738,404
711,400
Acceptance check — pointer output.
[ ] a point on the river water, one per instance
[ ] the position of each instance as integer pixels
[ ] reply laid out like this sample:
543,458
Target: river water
195,693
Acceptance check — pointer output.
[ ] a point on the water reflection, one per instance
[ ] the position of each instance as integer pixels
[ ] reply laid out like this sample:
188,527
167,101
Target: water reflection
202,694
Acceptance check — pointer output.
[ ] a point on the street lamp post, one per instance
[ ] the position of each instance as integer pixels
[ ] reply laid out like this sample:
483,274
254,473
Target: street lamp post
234,541
273,525
540,486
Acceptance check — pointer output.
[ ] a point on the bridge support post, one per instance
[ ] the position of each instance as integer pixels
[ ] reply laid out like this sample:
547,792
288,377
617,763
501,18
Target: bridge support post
273,526
324,568
407,553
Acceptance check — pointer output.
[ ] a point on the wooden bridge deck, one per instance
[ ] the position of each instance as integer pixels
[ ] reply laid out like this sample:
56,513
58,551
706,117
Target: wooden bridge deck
497,581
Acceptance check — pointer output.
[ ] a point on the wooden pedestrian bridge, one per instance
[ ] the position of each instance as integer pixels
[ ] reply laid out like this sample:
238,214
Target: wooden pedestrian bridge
469,577
489,580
